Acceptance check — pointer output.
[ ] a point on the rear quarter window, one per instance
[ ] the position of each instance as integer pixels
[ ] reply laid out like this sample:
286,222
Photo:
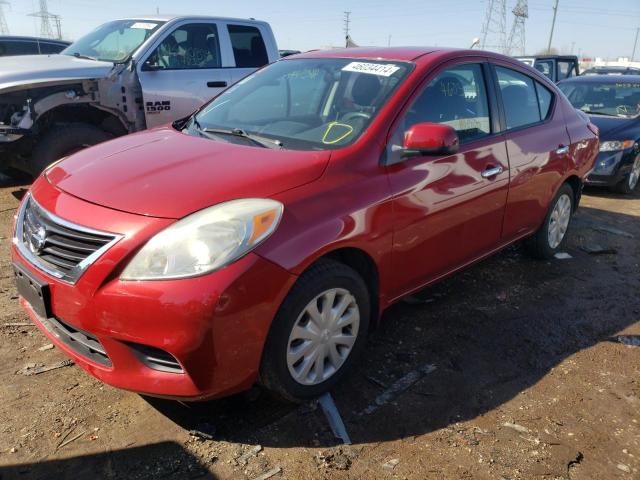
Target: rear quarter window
248,46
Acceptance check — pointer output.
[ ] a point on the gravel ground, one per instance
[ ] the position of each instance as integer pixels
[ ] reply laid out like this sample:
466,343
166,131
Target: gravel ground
513,369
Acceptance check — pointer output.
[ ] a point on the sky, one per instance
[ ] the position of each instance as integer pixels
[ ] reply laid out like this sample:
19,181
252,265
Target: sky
591,28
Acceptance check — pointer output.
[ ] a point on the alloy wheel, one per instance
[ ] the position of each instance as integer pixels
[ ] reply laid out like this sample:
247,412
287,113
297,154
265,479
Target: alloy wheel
323,336
559,221
634,176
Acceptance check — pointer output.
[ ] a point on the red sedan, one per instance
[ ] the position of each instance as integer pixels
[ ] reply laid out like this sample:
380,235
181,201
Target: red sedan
262,238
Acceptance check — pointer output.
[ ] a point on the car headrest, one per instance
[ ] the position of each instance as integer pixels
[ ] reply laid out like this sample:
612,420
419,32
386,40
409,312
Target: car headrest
365,89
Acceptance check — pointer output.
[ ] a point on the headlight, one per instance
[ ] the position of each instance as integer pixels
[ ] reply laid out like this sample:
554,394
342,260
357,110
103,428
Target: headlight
614,145
206,240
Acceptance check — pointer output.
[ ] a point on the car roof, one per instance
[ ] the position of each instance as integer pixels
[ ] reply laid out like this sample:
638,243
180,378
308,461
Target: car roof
33,39
602,79
168,18
544,57
405,54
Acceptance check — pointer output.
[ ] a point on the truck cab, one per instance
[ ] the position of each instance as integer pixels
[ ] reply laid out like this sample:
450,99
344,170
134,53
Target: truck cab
554,67
125,76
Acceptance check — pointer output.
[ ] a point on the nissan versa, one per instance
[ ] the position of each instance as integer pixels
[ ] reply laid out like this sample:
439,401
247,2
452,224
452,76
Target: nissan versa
261,238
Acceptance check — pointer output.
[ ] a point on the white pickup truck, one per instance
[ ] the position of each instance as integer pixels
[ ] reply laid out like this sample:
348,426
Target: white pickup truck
125,76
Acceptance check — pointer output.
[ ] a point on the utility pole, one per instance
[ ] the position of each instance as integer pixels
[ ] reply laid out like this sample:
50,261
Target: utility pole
635,44
553,24
346,23
4,28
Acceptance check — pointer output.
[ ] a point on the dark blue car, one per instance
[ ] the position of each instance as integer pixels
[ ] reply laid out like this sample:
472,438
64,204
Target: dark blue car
613,103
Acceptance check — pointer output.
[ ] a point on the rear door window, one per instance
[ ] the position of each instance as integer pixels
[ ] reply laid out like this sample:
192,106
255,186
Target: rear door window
519,98
248,46
545,98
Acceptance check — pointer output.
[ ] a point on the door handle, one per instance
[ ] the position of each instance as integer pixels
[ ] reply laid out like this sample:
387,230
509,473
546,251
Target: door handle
492,171
562,150
217,84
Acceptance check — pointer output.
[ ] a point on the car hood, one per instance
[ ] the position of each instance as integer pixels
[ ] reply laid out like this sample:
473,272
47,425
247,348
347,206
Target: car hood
19,72
165,173
612,127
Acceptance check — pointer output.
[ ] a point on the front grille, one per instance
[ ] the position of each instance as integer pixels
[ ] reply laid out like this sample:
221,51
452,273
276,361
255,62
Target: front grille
57,246
80,342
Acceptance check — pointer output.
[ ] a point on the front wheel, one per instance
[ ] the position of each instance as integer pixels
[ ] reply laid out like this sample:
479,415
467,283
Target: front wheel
318,332
63,140
630,182
551,235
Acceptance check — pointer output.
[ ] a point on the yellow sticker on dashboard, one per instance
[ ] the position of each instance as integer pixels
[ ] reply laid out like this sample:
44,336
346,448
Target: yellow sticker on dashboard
326,137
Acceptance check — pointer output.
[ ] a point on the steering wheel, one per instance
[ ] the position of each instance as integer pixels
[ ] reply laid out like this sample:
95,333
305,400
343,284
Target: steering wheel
353,115
622,109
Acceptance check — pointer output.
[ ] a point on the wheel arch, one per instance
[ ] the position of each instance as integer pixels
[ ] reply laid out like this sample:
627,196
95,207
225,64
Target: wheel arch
82,113
364,264
576,185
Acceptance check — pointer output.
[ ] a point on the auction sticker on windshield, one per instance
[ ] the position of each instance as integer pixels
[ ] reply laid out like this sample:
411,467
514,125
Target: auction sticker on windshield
144,25
382,69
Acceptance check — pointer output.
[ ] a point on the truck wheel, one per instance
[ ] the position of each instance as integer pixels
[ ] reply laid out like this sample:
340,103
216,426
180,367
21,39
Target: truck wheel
318,332
62,140
551,235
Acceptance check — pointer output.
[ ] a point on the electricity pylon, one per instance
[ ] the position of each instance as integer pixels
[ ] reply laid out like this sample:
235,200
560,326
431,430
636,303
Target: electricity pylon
45,21
516,43
4,28
494,28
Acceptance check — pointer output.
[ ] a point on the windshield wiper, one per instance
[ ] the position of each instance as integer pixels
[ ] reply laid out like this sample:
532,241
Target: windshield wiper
238,132
605,114
86,57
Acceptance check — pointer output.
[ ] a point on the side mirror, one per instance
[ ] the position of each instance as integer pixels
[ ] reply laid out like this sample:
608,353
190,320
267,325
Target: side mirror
430,139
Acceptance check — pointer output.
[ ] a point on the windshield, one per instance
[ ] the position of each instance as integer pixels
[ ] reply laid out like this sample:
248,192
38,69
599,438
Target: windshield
305,104
113,41
621,99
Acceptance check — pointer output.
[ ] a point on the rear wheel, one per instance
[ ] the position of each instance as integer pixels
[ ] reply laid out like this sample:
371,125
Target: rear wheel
630,182
551,235
63,140
318,332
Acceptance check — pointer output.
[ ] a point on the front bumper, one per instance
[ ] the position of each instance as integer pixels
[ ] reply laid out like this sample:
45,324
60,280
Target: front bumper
610,168
214,326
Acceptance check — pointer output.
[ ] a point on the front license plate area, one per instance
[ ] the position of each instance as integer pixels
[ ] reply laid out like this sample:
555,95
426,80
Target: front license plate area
35,292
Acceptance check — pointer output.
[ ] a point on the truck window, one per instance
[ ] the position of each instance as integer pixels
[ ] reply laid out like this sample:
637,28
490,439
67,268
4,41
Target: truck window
545,67
48,48
249,50
188,47
566,69
20,48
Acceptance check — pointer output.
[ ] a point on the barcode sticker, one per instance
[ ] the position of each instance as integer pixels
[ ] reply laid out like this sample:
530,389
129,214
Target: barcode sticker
381,69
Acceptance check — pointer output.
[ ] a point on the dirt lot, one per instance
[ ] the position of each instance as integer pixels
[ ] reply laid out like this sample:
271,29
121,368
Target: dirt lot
512,369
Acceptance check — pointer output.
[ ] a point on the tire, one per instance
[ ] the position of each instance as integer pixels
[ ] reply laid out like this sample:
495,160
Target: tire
630,181
279,370
543,246
62,140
